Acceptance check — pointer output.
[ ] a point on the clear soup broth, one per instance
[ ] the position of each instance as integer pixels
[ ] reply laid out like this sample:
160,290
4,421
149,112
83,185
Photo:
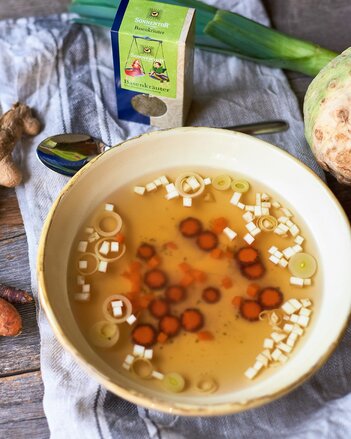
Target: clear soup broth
252,289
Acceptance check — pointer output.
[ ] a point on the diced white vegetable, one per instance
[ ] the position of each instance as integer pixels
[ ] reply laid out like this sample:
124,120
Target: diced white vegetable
276,204
276,354
283,262
265,197
288,252
250,373
265,204
138,350
294,230
294,318
86,288
297,248
126,366
193,183
255,231
283,359
278,336
171,195
307,282
158,182
305,312
248,217
297,330
268,343
82,297
164,180
274,259
283,219
250,226
114,247
187,202
131,319
186,187
207,181
258,199
258,211
235,198
265,210
297,281
230,233
109,207
289,223
274,318
262,359
291,341
249,238
295,303
150,187
93,237
278,231
288,308
303,321
80,280
89,230
157,375
102,266
170,187
284,347
283,228
267,353
272,250
83,265
82,246
117,311
140,190
288,327
299,240
258,365
286,212
249,208
278,254
104,248
241,206
148,354
116,304
306,303
129,359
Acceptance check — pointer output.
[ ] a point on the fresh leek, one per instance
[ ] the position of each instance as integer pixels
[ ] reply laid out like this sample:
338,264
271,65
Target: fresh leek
227,33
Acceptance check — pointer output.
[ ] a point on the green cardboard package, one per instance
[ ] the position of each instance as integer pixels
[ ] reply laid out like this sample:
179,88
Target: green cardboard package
152,45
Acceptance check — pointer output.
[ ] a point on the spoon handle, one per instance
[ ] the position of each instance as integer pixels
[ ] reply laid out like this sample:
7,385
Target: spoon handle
266,127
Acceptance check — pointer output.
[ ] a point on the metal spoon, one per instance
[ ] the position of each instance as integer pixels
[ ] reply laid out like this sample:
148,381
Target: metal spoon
67,153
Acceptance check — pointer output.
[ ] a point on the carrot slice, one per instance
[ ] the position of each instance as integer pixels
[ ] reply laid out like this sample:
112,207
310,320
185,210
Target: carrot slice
190,227
192,320
211,295
144,334
250,310
254,271
154,262
146,251
205,335
236,301
227,282
162,337
207,240
216,253
155,279
247,256
120,237
270,298
175,293
169,325
252,290
219,224
158,307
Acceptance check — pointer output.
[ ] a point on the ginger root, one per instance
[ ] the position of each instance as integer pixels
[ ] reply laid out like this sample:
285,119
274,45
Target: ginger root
13,124
10,320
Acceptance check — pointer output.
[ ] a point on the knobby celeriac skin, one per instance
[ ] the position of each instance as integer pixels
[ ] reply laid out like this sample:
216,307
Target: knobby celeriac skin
327,109
222,347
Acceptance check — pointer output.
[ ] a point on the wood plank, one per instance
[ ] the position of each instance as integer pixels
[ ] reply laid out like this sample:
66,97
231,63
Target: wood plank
26,8
11,223
21,408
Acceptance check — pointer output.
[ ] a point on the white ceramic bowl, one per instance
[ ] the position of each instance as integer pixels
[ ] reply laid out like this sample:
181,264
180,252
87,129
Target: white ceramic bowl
217,149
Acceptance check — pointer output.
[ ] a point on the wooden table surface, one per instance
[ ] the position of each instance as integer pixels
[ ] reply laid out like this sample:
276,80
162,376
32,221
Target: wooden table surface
21,388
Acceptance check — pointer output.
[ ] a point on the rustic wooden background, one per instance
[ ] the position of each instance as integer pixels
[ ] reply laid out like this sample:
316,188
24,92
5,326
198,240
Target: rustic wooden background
21,414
